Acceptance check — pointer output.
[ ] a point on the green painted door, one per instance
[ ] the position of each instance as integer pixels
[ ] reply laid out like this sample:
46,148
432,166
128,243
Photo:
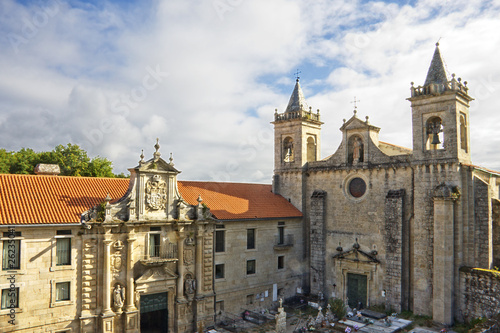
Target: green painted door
154,313
356,289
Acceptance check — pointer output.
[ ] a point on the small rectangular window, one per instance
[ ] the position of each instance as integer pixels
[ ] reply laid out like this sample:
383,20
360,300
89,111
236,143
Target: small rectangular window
11,256
250,239
219,306
154,228
63,251
250,299
219,271
220,241
63,232
62,291
251,267
281,262
10,298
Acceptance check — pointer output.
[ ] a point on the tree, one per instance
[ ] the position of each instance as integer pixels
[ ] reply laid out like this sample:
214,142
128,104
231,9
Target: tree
100,167
72,160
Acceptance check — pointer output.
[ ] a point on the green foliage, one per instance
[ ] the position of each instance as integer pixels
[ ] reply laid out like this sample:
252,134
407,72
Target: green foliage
337,307
101,211
467,327
417,319
72,160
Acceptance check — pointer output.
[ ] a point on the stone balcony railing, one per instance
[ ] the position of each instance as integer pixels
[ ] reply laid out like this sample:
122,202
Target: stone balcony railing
437,88
283,243
158,254
299,114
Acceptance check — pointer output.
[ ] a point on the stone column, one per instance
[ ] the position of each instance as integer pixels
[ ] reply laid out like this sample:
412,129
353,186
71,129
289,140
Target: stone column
443,276
180,264
130,276
108,314
199,261
107,277
131,313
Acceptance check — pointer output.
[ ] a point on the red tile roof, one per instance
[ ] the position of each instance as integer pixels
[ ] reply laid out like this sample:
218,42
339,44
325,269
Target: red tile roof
38,199
231,201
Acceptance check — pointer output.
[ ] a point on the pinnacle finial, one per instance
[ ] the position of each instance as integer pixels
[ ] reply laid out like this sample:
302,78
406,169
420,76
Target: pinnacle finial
171,159
157,147
142,157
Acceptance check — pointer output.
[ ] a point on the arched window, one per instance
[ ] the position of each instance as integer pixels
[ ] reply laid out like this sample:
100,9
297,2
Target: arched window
463,133
435,134
288,154
356,149
311,149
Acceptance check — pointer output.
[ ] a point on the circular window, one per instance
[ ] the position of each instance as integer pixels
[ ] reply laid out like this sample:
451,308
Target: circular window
357,187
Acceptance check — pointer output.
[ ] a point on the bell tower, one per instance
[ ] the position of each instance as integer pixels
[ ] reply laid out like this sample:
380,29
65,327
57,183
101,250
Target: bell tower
440,115
296,142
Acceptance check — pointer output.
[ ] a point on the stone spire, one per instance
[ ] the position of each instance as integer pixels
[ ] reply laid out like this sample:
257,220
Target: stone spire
436,73
297,101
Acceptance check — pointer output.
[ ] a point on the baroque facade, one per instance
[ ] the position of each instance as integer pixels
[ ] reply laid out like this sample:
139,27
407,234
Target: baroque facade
386,224
143,262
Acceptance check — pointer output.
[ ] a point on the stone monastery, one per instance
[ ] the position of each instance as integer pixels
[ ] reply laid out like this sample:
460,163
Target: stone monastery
373,224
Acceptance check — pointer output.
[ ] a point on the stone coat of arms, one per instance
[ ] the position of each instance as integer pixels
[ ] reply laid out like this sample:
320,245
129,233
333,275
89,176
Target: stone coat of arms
156,193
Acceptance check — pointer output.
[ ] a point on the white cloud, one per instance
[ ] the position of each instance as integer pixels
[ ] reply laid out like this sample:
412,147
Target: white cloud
80,77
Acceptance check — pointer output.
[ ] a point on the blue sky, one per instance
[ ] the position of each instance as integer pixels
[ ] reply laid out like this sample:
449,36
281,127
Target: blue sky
205,76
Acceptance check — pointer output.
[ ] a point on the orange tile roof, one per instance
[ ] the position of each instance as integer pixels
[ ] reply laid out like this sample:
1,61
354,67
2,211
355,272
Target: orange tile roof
38,199
232,201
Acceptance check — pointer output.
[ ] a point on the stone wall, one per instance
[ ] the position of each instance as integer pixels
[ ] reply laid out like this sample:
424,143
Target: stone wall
495,207
317,241
394,219
482,232
238,291
480,293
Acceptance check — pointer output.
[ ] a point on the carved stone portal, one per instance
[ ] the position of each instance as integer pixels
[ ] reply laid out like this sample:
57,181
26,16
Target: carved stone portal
156,193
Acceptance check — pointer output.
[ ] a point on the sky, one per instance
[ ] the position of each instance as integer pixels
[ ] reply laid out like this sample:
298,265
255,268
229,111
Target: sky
206,76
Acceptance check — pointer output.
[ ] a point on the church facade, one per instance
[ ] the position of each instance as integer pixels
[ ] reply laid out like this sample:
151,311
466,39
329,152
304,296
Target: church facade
390,225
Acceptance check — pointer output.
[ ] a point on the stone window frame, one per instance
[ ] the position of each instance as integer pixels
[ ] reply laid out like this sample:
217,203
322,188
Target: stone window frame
219,306
254,267
20,301
72,292
345,187
223,231
53,264
254,239
283,263
22,262
223,278
148,243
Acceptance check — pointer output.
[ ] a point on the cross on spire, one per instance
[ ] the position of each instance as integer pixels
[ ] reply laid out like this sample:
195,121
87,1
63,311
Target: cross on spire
297,77
354,102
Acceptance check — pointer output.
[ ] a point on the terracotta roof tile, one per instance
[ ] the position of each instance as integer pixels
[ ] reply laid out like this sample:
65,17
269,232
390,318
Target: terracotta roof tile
231,201
39,199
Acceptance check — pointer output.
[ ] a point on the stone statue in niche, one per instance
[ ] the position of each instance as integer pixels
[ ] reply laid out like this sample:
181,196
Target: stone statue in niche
189,285
357,151
119,297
